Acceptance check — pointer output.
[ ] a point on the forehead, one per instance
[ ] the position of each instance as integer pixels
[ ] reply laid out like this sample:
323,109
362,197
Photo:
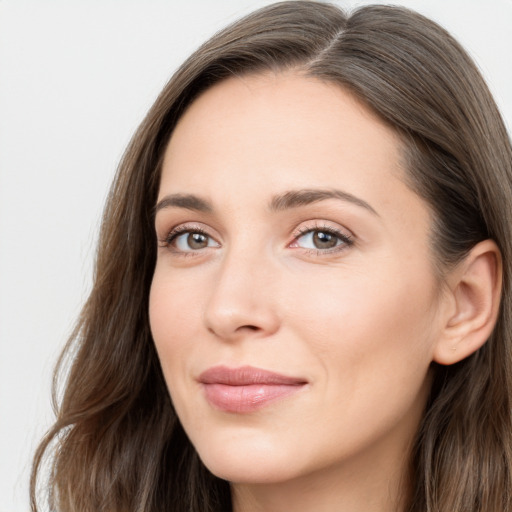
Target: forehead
267,133
281,109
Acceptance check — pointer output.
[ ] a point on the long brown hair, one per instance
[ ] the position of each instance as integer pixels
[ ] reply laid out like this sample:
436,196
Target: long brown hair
117,444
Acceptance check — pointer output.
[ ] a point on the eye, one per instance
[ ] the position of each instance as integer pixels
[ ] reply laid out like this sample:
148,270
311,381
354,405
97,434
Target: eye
190,240
322,239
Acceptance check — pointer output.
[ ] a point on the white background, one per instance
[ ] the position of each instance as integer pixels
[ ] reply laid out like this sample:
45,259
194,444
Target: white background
76,77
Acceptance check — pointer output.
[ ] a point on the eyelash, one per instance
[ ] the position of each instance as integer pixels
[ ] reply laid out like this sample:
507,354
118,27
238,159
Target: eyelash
346,240
181,230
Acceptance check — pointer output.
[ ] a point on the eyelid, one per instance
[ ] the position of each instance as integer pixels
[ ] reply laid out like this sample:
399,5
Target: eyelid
343,234
181,229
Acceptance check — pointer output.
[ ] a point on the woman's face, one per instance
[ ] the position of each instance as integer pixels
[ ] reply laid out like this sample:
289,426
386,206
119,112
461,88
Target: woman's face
294,305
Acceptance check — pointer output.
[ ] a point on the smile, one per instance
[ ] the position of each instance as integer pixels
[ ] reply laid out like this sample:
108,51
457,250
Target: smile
246,389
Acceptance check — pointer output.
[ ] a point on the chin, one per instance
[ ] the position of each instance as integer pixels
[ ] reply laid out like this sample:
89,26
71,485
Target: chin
246,462
248,471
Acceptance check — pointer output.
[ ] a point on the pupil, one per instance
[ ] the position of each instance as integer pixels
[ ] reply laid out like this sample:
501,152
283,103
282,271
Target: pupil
324,240
197,241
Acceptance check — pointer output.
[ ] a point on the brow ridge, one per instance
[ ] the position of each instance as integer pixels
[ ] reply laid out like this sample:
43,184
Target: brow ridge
186,201
297,198
287,200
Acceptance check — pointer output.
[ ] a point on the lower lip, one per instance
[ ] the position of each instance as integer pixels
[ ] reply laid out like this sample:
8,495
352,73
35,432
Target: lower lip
247,398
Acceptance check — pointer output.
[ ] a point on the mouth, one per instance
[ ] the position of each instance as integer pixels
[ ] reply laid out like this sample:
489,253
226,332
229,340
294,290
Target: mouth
246,389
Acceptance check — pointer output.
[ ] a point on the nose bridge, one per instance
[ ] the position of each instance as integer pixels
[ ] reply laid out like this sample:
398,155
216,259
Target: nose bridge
241,298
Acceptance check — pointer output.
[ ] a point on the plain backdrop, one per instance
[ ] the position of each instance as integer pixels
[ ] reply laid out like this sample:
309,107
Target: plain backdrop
76,78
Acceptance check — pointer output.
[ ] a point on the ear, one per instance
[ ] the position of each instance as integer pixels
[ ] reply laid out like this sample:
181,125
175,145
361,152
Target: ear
474,298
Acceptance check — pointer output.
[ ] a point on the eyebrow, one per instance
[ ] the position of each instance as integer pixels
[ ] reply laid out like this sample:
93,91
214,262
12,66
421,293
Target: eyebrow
296,198
186,201
287,200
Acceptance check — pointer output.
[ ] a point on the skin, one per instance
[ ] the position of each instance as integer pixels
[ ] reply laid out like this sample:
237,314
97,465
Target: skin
359,322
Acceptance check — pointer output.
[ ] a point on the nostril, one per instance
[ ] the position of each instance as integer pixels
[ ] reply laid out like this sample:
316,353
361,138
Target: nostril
250,327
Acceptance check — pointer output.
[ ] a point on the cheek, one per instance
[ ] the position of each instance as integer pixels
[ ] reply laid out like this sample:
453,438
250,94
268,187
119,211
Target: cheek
174,319
369,345
351,301
368,326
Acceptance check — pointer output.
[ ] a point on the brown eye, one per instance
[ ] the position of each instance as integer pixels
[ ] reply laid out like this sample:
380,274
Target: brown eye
189,241
323,240
197,241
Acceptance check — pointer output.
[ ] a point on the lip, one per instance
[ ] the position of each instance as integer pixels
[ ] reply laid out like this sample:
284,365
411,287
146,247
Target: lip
246,389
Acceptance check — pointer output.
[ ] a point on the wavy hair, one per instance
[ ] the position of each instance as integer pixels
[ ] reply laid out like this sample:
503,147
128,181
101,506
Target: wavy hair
117,444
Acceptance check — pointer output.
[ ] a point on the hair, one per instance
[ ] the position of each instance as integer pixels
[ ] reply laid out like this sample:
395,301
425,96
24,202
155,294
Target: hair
117,444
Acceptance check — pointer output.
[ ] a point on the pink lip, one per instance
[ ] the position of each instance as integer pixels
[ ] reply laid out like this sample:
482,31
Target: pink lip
246,389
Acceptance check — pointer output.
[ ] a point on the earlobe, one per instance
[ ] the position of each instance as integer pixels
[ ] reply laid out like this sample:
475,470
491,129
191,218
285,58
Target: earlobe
475,291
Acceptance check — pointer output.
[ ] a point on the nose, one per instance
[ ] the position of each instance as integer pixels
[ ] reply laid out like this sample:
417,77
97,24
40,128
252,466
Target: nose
241,302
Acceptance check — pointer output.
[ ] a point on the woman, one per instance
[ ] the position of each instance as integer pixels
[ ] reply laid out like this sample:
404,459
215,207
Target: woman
302,293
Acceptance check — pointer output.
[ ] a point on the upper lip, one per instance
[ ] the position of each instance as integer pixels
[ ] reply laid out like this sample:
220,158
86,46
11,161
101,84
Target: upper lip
245,376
